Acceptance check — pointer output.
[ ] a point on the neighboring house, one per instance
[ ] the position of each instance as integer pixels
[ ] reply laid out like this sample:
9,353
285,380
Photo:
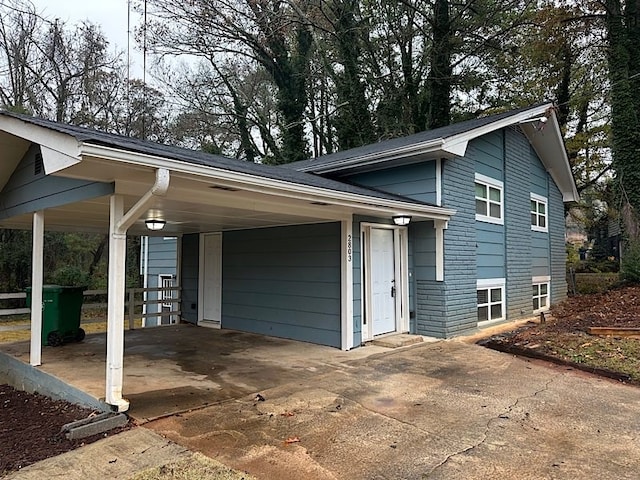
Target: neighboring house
159,269
436,233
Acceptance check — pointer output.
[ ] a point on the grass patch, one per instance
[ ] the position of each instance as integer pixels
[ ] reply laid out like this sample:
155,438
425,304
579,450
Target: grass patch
194,467
589,283
24,335
610,353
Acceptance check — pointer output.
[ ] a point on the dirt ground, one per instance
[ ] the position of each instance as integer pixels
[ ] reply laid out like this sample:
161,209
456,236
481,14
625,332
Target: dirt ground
30,428
564,336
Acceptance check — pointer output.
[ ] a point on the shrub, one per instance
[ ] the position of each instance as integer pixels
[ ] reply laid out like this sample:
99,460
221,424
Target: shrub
70,276
630,264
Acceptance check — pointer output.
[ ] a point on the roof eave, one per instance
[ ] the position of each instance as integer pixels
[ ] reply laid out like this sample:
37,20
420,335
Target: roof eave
415,149
59,150
549,145
264,184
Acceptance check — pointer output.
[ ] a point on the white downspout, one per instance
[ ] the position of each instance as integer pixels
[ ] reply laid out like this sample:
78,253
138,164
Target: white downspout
119,223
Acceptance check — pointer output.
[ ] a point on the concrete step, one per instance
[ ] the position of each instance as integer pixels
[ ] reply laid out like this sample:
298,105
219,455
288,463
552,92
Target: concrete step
396,341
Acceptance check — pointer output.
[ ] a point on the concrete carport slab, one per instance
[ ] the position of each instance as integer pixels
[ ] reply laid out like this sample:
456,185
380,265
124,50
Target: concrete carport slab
444,410
176,368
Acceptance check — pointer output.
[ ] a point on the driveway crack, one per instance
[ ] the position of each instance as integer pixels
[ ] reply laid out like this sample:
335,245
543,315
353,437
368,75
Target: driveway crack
485,434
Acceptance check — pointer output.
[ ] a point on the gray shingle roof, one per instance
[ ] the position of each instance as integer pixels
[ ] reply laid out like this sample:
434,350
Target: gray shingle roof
96,137
429,135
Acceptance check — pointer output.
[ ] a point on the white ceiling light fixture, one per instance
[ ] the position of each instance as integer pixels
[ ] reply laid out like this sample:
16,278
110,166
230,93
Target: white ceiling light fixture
401,220
155,224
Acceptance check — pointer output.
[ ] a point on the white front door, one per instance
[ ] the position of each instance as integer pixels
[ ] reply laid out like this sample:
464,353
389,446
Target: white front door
211,280
383,283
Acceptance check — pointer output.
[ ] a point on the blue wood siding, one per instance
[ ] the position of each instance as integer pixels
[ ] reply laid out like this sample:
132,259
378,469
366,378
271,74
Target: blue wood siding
422,250
558,253
491,250
357,283
28,191
448,308
517,224
540,256
162,260
540,241
283,282
189,277
488,154
538,174
417,181
422,266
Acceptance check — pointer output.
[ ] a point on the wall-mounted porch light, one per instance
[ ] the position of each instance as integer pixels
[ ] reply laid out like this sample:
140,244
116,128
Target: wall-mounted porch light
401,220
155,224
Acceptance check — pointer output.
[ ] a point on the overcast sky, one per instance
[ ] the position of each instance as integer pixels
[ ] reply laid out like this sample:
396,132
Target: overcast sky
111,15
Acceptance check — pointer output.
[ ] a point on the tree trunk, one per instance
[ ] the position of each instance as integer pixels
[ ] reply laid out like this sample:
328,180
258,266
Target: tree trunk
439,81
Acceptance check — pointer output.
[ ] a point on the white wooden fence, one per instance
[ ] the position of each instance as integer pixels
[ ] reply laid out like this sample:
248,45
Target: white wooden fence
136,297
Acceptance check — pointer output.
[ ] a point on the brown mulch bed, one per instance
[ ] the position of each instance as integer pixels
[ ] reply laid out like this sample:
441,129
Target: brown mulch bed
30,428
564,338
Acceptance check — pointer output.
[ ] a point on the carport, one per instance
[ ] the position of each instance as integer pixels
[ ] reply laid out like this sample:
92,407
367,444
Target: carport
59,177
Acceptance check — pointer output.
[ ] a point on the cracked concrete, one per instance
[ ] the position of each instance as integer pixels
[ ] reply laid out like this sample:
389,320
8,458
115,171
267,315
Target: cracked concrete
444,410
504,415
441,410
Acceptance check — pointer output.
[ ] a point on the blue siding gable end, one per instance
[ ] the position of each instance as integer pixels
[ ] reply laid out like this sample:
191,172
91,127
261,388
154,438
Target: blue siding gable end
29,189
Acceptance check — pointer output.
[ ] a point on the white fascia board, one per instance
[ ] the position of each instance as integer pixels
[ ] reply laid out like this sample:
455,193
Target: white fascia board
54,160
555,159
457,142
59,142
455,145
260,184
422,148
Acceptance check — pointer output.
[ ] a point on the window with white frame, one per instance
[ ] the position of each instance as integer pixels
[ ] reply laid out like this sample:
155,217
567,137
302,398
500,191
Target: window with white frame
540,294
538,213
489,201
491,301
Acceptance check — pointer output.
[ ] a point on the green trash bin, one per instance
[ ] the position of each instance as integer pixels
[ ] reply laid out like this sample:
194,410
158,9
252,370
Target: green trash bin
62,308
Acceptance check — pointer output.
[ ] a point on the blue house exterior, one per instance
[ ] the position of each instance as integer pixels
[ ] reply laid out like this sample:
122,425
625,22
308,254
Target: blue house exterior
503,250
436,234
159,268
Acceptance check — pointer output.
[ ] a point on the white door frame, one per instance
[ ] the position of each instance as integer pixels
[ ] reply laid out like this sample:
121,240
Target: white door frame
217,322
401,265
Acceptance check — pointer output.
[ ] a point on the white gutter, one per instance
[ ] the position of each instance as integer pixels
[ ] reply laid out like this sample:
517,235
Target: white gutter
259,184
413,149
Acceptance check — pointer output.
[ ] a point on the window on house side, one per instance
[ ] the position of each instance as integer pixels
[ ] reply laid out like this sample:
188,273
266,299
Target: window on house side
538,213
489,203
540,297
490,303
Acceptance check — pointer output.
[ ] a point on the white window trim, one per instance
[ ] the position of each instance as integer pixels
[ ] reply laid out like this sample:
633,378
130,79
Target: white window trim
488,283
545,279
491,182
540,199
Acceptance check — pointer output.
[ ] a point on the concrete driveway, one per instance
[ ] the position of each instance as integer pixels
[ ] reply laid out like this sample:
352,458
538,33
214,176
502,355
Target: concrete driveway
444,410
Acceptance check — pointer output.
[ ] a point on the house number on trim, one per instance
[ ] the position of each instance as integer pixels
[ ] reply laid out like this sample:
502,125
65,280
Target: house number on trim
348,248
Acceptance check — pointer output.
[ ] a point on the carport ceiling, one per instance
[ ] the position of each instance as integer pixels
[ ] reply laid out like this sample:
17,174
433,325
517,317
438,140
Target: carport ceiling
191,205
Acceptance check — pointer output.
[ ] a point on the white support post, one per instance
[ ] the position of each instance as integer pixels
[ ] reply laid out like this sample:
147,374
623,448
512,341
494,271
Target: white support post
441,226
115,311
35,352
347,284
